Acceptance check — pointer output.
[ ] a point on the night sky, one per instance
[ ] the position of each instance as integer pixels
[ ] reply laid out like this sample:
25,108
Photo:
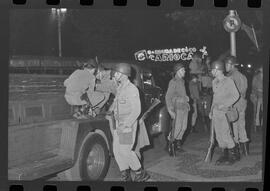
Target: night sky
115,34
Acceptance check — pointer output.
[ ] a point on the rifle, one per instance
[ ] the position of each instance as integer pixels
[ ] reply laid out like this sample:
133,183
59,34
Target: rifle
211,147
88,108
230,126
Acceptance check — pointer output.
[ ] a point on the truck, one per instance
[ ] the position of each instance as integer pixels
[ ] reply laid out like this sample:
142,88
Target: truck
45,140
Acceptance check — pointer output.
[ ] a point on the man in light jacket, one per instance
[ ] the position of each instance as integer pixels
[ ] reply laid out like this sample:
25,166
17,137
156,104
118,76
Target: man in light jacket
225,95
126,108
79,83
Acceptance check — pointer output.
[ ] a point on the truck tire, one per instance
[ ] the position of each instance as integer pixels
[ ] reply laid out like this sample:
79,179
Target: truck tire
94,159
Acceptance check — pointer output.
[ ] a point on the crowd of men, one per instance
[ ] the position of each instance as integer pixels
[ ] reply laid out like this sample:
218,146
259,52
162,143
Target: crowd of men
88,90
227,104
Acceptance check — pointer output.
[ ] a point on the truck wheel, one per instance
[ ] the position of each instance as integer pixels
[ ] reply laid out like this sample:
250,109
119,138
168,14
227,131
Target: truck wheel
94,158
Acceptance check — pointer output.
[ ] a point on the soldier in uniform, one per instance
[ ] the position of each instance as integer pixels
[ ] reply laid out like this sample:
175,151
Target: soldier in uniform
225,95
257,97
239,126
194,89
104,87
77,84
177,104
126,108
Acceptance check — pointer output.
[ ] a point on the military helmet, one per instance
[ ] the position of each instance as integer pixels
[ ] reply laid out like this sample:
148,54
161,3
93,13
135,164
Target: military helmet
218,65
123,68
177,67
231,60
91,63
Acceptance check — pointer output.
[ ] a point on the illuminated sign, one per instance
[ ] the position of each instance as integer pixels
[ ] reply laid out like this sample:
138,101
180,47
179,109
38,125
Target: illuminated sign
173,54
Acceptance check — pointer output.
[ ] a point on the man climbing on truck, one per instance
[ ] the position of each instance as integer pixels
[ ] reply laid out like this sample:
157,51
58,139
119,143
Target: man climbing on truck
77,85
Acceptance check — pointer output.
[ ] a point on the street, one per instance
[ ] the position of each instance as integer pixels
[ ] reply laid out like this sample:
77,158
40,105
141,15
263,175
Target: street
189,165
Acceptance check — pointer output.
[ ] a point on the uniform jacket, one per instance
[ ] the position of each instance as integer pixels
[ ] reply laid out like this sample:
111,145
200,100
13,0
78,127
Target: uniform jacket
79,81
127,105
106,84
206,81
176,89
241,84
225,93
240,81
127,108
194,89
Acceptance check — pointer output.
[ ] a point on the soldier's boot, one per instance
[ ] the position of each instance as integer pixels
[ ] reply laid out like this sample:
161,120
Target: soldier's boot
141,175
245,148
172,149
237,152
223,158
232,156
179,144
125,175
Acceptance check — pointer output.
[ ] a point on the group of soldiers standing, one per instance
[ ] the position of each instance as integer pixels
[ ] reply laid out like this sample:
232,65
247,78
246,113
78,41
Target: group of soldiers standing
88,90
227,111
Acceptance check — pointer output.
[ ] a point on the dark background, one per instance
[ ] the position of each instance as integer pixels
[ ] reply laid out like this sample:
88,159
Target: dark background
118,34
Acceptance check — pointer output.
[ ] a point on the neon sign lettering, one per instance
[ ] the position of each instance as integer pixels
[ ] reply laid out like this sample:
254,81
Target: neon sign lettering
174,54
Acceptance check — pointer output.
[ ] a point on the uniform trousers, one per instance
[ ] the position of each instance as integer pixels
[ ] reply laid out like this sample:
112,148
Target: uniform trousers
239,128
222,129
181,117
124,155
259,107
195,113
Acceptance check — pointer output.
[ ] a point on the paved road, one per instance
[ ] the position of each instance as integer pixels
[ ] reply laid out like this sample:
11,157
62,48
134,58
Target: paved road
189,165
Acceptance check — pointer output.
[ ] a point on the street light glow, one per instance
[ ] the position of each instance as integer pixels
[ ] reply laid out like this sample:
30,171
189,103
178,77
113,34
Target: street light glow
63,10
249,66
242,65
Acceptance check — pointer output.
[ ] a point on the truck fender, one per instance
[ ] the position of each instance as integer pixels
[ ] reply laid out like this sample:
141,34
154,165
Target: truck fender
73,174
100,132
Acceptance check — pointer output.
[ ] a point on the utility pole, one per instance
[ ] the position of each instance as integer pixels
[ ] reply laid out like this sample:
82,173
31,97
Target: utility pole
232,36
59,33
232,24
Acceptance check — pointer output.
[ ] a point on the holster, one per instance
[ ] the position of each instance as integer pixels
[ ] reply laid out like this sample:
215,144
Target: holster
232,114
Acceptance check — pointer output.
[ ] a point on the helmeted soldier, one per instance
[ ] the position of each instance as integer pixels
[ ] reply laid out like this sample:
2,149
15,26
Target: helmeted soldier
225,95
104,81
177,105
103,88
126,108
257,97
239,126
77,84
